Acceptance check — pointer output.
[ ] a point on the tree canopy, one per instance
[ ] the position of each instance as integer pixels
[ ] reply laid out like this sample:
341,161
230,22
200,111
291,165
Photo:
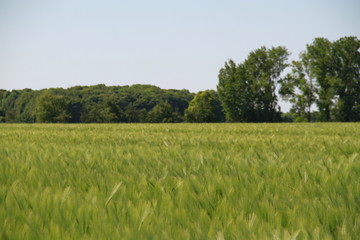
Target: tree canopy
328,75
322,85
248,90
205,107
95,104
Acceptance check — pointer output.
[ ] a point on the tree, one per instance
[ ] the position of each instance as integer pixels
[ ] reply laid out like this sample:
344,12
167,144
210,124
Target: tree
52,109
25,106
101,109
321,65
346,83
8,105
327,73
161,113
264,67
3,93
234,92
205,107
248,90
299,88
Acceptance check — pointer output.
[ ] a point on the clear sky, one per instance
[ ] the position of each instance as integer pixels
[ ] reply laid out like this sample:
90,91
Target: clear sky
170,44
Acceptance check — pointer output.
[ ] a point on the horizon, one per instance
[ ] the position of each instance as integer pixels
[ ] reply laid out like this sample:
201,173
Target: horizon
168,45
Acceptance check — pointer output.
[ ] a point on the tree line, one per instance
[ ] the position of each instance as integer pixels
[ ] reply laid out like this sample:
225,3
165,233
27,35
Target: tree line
322,85
94,104
326,78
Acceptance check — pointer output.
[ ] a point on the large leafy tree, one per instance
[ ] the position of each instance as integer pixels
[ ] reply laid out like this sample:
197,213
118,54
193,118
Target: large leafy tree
102,109
25,106
264,67
346,84
248,90
8,104
234,92
299,87
52,109
327,73
205,107
161,113
3,94
319,53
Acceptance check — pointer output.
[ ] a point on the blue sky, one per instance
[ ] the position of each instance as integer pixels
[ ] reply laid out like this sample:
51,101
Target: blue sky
171,44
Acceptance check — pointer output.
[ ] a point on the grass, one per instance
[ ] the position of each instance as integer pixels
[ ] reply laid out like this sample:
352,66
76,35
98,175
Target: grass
180,181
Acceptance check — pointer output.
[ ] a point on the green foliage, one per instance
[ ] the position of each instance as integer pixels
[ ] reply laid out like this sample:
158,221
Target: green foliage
235,93
52,109
8,106
205,107
300,119
180,181
300,88
161,113
320,55
335,66
248,90
25,106
346,54
287,117
102,110
2,111
93,104
326,75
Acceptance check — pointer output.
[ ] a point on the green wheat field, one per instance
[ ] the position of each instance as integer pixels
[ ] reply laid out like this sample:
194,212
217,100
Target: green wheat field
180,181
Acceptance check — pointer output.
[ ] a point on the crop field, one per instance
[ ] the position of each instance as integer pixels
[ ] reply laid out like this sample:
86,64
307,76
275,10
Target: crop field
180,181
